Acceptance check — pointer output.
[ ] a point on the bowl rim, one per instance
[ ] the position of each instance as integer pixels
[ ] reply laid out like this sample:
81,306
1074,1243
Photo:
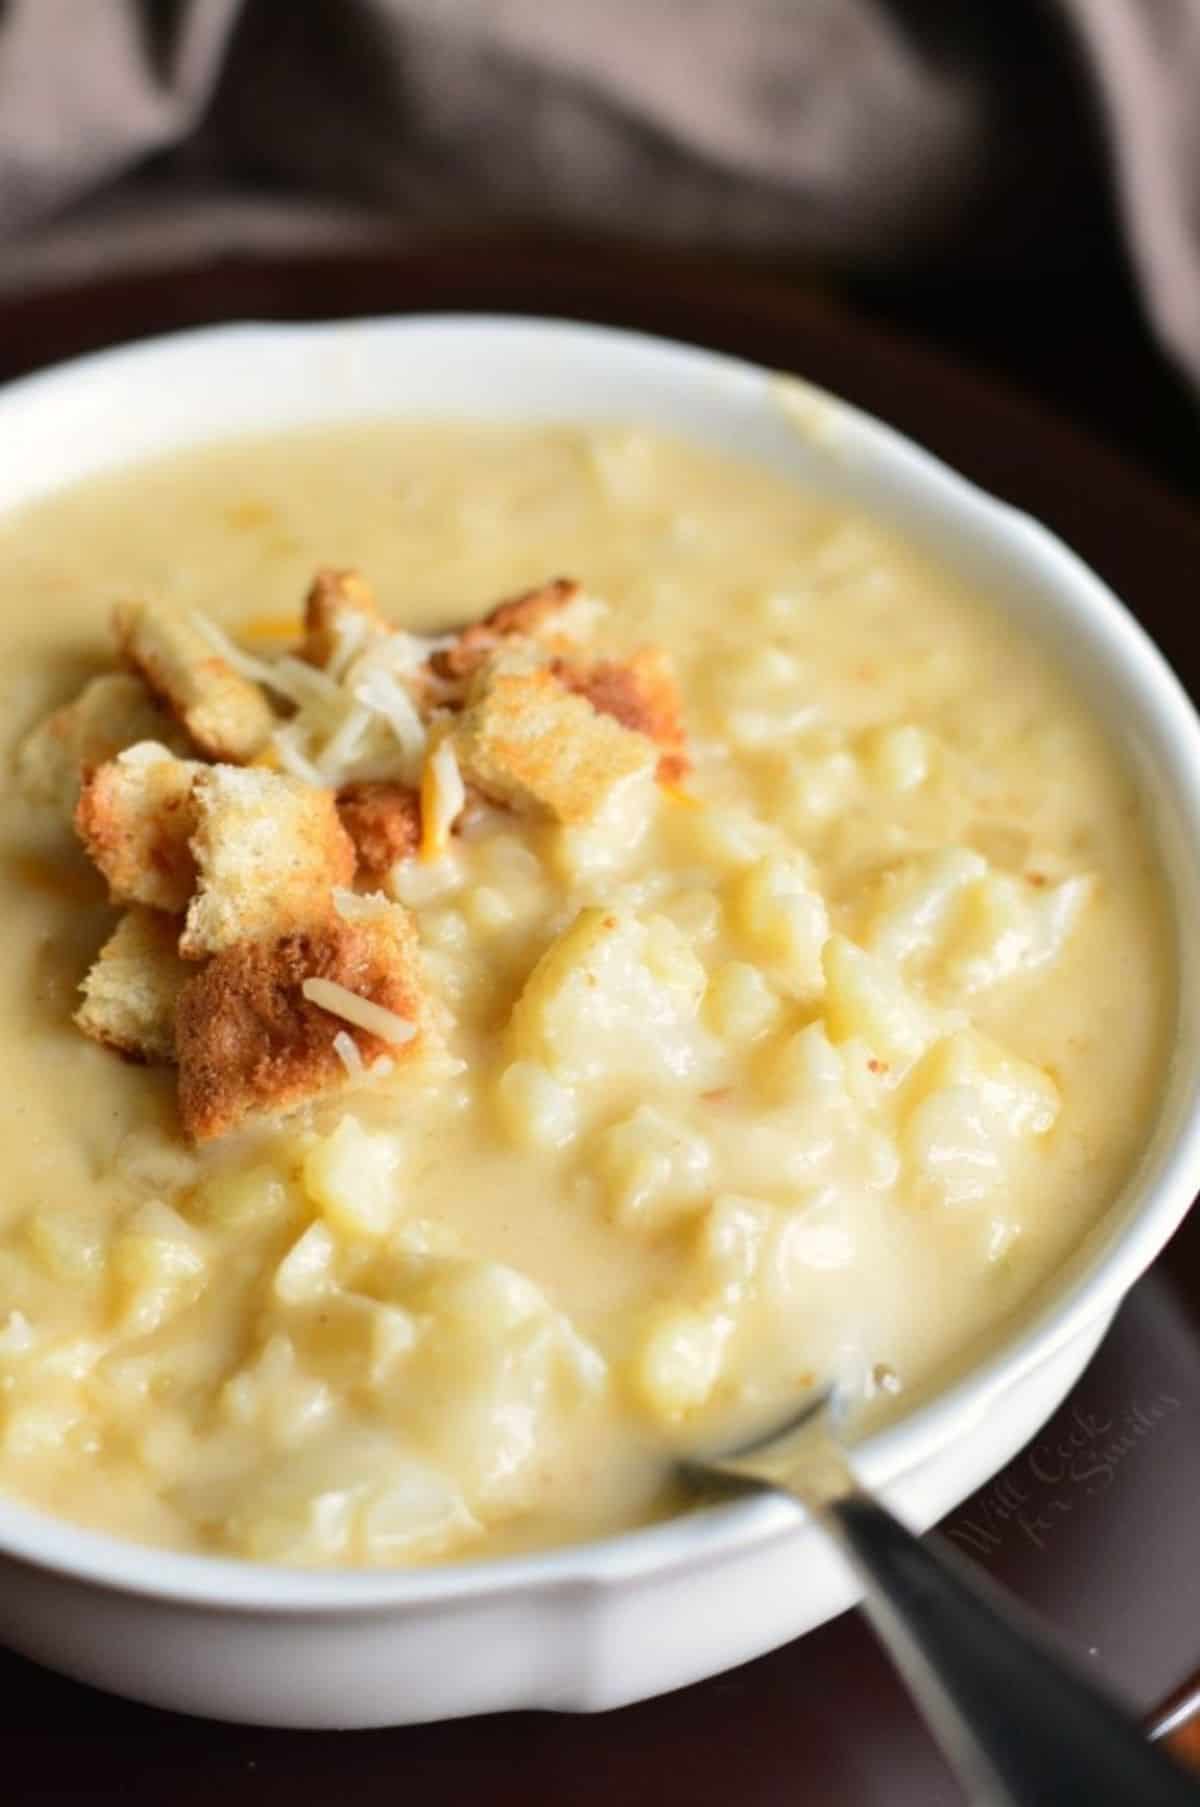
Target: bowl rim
1090,1284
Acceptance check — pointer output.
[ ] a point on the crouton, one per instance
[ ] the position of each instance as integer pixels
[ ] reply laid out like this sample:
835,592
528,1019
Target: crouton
135,818
640,693
384,822
130,994
268,850
250,1042
226,715
340,615
110,713
527,614
530,610
525,740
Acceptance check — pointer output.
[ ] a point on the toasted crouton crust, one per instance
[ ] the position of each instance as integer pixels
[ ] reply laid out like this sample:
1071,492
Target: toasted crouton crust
268,850
526,614
530,610
525,740
640,693
110,713
250,1042
334,599
226,715
134,816
384,822
130,994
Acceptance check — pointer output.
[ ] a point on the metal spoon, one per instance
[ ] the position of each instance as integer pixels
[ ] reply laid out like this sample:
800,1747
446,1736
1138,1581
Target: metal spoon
1022,1725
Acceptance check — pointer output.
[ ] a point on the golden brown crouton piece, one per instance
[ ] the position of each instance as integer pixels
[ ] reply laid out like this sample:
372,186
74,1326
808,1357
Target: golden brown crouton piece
250,1042
384,822
109,714
340,610
226,715
640,693
130,994
530,610
525,740
527,614
268,850
135,818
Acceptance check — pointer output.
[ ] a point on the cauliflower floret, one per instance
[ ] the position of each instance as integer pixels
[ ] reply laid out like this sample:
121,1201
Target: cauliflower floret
1010,927
536,1110
678,1362
616,994
655,1170
161,1266
899,757
914,903
350,1496
970,925
976,1108
782,919
866,997
352,1174
741,1005
495,1367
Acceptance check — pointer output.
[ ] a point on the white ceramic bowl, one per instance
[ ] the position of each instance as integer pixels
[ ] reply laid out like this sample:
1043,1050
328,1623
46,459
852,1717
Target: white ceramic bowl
613,1621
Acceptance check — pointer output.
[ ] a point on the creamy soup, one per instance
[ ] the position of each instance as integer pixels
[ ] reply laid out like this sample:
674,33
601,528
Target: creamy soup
811,1061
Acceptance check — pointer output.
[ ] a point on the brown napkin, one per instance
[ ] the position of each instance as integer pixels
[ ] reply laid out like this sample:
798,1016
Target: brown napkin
857,134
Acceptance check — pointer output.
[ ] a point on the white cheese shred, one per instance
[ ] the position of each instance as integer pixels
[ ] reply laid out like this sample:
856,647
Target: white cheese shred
328,995
350,631
295,762
341,749
346,1049
302,682
379,692
289,677
257,670
443,795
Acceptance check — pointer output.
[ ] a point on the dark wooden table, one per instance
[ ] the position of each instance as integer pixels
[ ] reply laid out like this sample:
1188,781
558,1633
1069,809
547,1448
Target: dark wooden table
1095,1524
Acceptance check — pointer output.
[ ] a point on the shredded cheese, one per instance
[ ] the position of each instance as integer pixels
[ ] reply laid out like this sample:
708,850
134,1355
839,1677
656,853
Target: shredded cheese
354,719
285,745
288,676
443,795
342,747
347,1051
302,682
379,692
351,632
328,995
400,653
257,670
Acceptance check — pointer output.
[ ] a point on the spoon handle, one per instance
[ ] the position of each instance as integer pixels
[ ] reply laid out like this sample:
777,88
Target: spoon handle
1023,1725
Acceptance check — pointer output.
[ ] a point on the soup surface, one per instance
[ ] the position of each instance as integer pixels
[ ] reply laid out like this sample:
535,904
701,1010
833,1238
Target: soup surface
811,1062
